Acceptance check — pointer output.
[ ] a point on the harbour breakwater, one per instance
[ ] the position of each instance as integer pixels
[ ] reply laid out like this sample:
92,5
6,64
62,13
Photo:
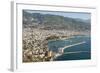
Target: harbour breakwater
61,50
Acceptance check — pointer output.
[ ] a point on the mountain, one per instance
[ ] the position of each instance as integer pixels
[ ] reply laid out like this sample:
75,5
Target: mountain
49,22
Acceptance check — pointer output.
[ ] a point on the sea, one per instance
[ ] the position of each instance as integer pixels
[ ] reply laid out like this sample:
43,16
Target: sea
77,52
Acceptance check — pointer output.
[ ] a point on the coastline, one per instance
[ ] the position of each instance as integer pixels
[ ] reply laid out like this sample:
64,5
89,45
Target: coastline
38,39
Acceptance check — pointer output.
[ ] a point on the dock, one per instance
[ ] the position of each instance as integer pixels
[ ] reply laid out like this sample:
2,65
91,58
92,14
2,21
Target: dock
61,50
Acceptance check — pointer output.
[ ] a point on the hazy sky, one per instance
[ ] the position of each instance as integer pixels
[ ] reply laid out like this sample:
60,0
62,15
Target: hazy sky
80,15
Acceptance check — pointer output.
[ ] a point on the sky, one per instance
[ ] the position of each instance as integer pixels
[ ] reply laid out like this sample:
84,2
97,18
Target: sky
79,15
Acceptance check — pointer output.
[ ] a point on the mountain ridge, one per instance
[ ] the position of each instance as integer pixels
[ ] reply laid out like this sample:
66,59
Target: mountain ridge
49,21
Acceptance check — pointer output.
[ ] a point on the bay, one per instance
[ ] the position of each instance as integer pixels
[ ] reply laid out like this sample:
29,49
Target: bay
78,52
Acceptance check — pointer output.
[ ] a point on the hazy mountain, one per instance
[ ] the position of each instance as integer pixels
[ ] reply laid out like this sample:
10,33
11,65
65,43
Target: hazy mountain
49,22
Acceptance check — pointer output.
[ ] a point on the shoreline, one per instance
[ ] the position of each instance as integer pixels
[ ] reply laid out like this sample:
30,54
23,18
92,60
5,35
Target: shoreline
36,41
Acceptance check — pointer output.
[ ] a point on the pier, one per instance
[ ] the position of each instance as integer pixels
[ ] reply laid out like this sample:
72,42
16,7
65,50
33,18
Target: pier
61,50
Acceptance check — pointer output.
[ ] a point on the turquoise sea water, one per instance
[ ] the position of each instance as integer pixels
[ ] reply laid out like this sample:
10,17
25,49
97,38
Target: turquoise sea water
78,52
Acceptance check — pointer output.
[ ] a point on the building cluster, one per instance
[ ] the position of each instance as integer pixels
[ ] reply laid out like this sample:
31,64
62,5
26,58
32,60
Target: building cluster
35,44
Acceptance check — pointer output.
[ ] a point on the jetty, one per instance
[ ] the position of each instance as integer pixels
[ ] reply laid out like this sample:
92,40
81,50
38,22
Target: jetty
76,52
73,45
61,50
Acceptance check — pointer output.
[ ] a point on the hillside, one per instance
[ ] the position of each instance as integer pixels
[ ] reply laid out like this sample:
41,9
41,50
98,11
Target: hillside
49,22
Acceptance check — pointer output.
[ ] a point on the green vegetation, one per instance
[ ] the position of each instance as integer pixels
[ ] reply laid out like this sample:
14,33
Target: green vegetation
52,37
